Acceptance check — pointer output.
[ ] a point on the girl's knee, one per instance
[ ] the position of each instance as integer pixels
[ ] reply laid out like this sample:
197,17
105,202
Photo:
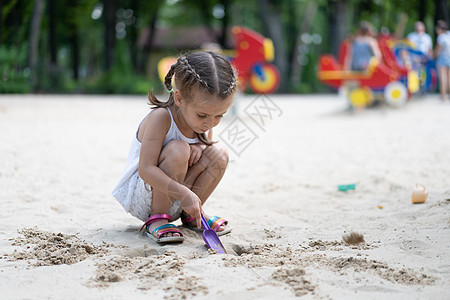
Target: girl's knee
217,155
176,152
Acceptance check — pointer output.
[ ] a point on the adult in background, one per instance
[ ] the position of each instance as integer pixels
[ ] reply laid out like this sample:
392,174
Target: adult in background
421,40
442,55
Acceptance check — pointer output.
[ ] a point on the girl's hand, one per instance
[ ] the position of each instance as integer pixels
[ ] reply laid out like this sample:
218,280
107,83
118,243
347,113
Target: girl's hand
196,153
192,205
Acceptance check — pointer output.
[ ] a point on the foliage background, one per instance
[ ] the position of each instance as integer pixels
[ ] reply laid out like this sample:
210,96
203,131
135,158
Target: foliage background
93,46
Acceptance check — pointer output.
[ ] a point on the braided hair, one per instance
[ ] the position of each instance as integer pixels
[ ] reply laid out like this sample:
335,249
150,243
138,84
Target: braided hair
206,71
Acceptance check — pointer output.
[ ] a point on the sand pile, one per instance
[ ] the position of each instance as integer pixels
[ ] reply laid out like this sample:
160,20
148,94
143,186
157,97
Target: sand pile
46,248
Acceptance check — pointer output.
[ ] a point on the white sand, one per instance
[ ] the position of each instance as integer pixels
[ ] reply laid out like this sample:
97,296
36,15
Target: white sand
62,234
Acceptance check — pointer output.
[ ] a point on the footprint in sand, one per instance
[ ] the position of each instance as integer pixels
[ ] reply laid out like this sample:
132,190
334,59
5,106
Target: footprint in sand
414,246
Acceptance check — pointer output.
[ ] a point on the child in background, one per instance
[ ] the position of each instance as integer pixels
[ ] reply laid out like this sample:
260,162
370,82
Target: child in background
173,166
442,55
364,47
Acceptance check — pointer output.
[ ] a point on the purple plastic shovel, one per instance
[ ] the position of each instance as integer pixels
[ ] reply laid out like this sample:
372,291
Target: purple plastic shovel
211,239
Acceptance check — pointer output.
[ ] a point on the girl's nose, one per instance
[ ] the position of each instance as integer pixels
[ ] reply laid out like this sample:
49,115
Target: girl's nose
209,122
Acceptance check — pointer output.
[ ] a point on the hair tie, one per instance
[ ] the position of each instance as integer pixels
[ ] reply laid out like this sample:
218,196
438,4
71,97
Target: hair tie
171,90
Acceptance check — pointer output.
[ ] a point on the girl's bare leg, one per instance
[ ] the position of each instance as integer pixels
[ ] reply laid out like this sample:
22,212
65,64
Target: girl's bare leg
203,177
443,80
448,79
174,162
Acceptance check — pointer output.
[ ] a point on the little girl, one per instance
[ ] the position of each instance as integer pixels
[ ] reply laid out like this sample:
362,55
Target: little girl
442,54
173,167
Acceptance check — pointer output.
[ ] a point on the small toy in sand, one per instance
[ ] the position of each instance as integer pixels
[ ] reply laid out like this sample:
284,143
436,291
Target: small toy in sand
346,187
419,194
353,238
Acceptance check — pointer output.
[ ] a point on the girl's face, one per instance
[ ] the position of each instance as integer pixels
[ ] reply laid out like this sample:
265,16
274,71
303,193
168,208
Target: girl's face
201,112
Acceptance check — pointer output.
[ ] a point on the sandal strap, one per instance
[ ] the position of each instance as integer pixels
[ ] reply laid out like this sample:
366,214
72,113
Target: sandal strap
215,222
166,228
156,218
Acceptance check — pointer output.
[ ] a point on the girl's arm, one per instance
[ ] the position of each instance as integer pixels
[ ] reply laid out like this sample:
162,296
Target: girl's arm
438,48
196,153
197,150
376,50
348,57
152,133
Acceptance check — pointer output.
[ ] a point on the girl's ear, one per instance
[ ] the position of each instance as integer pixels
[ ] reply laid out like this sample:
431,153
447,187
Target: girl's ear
178,98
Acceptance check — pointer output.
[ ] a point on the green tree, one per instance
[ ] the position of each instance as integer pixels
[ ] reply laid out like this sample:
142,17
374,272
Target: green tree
92,40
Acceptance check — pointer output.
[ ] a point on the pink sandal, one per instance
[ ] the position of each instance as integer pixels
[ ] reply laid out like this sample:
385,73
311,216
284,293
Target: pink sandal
214,222
166,228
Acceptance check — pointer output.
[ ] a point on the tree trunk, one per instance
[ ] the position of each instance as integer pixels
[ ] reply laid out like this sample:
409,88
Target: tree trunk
52,31
305,27
338,24
441,11
33,43
154,17
225,22
75,51
147,47
1,22
422,9
270,12
132,38
205,9
109,13
291,32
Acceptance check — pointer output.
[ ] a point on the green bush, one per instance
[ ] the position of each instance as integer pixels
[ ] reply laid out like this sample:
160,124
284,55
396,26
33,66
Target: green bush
14,75
116,82
121,78
53,79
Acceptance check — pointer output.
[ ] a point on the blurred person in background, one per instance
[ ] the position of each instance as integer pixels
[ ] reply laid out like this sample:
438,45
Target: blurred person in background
442,55
364,47
421,40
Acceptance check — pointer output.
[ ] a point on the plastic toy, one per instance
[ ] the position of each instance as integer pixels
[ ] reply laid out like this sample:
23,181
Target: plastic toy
419,64
346,187
253,54
388,79
251,58
419,194
416,69
211,239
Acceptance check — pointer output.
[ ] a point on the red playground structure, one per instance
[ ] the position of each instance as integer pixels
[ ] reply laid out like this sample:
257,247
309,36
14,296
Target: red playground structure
251,58
392,79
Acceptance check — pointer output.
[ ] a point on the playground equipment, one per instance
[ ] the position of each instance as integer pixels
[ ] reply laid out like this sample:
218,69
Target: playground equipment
417,70
401,72
251,59
417,63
